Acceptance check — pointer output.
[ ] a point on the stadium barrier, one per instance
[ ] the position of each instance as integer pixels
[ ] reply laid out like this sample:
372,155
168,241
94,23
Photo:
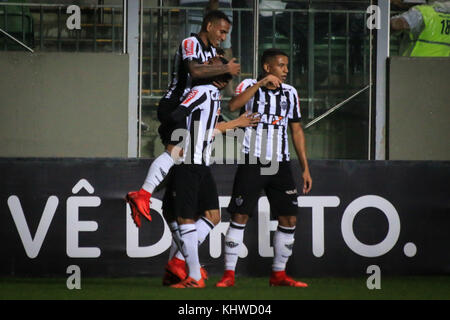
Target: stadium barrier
60,212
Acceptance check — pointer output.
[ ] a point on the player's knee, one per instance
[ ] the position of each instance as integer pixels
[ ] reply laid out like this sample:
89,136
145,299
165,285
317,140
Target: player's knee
213,216
240,218
287,221
175,151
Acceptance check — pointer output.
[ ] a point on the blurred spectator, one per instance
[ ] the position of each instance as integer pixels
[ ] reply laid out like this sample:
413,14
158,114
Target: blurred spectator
300,30
283,28
426,28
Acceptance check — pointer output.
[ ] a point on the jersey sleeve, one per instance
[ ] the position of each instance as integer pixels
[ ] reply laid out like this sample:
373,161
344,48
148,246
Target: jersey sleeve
244,85
294,114
415,20
190,49
194,100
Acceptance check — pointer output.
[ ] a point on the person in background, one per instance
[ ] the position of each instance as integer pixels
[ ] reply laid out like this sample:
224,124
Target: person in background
426,26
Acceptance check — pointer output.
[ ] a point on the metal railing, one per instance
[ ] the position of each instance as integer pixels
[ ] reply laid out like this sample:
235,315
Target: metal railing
323,65
101,27
161,38
324,69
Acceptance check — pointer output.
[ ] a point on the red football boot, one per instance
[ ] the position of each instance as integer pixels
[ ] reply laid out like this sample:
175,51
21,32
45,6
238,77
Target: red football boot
204,273
139,202
177,267
279,278
189,283
177,270
227,280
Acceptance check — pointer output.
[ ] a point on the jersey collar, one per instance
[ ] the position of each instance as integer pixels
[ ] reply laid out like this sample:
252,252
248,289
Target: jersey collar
204,47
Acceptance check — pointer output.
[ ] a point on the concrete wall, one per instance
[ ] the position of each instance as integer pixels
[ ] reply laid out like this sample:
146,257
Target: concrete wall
63,104
419,108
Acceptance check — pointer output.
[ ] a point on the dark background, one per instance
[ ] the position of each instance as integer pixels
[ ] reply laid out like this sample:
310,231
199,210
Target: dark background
419,191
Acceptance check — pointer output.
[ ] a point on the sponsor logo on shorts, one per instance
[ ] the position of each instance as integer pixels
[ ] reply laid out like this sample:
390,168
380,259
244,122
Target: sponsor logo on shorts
291,191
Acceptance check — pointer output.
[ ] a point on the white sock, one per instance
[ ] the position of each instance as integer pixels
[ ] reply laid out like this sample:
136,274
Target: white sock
233,243
157,172
176,239
204,227
189,240
283,242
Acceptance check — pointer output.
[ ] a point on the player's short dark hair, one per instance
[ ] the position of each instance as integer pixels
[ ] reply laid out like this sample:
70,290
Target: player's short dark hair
271,53
213,16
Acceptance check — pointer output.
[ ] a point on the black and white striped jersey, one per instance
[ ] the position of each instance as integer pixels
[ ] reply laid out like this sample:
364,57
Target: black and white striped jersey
269,140
203,104
190,49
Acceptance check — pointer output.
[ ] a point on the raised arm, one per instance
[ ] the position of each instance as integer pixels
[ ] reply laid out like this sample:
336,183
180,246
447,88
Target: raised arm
242,98
203,71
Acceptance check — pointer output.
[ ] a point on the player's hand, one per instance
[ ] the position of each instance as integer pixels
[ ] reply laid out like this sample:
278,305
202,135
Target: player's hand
270,80
220,84
233,68
249,119
307,181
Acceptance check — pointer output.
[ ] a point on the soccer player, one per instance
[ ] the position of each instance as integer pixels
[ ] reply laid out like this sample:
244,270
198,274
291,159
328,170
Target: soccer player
189,67
278,104
191,188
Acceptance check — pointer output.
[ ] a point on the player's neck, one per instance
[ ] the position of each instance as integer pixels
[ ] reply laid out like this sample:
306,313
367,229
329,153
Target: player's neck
203,36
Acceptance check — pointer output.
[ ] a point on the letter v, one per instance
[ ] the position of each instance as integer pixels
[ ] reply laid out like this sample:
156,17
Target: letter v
32,246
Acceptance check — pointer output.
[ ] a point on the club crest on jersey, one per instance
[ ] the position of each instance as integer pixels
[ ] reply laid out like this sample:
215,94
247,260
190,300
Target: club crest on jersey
283,103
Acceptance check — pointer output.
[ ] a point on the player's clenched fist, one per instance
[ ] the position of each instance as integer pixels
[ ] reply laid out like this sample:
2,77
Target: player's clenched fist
270,80
233,68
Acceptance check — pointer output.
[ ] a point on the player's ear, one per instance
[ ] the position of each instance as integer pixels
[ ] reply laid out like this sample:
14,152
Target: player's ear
266,67
209,26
